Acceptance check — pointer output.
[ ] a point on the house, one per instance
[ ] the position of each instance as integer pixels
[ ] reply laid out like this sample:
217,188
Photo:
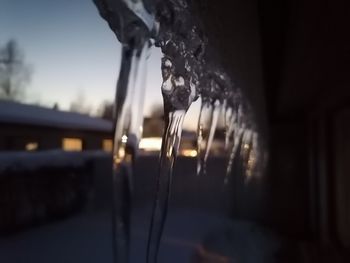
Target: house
32,128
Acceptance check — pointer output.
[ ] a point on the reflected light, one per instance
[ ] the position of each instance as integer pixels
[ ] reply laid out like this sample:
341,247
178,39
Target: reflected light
124,138
246,146
119,157
121,153
151,144
205,255
189,153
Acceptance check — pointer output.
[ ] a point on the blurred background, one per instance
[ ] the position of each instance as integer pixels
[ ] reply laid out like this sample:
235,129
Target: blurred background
59,63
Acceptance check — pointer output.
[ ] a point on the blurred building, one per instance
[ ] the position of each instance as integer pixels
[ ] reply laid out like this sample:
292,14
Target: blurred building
28,127
152,139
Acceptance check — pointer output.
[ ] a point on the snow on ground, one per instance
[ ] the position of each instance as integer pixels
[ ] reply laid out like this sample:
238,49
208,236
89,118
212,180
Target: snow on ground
87,238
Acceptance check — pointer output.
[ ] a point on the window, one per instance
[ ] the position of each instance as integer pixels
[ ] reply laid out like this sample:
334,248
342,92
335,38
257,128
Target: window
107,145
72,144
31,146
151,144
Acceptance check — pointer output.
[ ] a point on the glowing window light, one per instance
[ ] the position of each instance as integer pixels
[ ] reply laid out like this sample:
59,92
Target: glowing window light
189,153
107,145
151,144
32,146
72,144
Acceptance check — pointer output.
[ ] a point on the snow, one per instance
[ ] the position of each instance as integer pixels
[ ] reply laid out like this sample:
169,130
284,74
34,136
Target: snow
87,238
17,113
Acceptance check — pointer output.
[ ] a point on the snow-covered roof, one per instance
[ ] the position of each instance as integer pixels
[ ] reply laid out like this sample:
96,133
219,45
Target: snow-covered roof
17,113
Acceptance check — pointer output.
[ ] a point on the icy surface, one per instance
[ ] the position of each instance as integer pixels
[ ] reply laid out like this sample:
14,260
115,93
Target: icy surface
86,238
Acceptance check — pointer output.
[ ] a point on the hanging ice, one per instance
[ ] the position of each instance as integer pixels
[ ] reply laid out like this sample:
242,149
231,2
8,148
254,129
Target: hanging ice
188,72
181,67
203,130
133,26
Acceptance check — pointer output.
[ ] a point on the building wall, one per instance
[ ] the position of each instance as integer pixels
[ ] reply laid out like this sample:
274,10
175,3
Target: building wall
341,169
15,137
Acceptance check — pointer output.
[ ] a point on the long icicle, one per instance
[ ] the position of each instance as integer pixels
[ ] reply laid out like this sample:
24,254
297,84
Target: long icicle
213,124
125,147
229,123
170,146
199,139
237,142
203,134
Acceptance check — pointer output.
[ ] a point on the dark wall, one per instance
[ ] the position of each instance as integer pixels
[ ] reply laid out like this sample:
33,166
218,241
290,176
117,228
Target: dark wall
233,32
306,55
292,59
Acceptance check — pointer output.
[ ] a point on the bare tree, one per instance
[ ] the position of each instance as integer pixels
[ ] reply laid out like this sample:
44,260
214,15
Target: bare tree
14,73
105,110
80,105
56,106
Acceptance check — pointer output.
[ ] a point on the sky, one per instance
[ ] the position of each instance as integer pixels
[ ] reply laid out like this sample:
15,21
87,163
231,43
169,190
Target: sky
71,51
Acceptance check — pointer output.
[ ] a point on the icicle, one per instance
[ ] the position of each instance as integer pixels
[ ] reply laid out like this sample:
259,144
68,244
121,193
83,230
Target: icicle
250,160
170,146
126,137
247,141
200,138
203,131
213,124
132,24
227,112
229,124
224,111
246,144
137,106
178,94
237,143
186,75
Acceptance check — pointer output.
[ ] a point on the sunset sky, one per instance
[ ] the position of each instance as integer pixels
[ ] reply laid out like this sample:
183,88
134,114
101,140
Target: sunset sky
71,50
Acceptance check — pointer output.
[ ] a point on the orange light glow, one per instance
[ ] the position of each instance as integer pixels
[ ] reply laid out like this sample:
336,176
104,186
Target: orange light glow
32,146
189,153
107,145
72,144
